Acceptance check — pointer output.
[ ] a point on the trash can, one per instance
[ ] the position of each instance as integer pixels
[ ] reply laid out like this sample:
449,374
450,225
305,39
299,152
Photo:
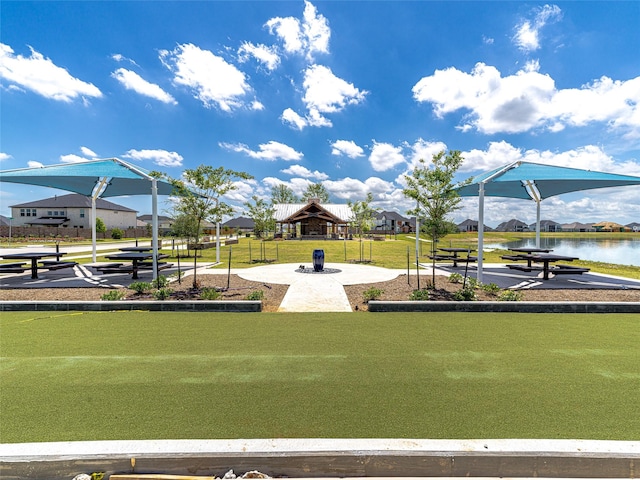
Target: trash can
318,260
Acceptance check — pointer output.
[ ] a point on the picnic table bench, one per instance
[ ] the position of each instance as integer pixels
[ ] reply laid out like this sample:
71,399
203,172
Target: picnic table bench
56,265
452,255
544,261
13,267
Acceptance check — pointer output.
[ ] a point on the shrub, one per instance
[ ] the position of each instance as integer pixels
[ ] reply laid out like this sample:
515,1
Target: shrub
162,293
421,294
372,294
472,283
116,234
160,282
112,295
510,296
491,289
140,287
465,295
210,294
456,278
255,295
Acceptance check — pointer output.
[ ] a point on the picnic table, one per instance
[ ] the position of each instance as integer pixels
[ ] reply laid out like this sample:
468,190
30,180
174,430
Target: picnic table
525,250
136,249
137,260
545,260
35,258
452,254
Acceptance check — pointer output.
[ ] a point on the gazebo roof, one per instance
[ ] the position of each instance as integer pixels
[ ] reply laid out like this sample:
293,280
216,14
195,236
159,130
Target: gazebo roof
294,212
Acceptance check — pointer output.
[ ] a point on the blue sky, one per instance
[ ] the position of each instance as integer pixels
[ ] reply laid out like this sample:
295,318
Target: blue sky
350,93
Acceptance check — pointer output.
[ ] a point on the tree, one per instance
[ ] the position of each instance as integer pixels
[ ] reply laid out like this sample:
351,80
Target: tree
100,226
282,194
199,196
186,227
434,193
262,214
316,190
363,217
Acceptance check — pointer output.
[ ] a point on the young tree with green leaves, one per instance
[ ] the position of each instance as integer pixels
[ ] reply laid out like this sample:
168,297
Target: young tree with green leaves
363,218
282,194
263,216
432,188
100,226
186,227
199,195
316,190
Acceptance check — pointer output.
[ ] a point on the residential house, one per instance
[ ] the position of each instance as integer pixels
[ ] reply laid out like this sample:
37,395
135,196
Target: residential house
240,224
513,225
547,226
164,223
577,227
72,211
391,222
471,226
608,226
634,226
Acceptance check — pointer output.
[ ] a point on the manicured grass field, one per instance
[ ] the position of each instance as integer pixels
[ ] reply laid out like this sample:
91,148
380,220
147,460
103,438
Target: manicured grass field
140,375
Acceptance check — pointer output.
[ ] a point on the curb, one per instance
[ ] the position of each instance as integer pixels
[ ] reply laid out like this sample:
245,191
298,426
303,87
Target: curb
506,307
157,306
325,458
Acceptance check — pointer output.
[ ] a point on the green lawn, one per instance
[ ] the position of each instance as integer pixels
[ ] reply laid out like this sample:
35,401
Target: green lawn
140,375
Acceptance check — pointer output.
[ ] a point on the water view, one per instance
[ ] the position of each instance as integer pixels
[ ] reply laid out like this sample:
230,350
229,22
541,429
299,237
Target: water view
619,251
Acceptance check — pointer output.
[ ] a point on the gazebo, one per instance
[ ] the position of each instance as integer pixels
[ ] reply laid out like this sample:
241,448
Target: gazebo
312,219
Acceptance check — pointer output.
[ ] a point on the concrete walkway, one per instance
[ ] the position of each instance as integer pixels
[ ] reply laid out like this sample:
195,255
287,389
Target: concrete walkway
317,291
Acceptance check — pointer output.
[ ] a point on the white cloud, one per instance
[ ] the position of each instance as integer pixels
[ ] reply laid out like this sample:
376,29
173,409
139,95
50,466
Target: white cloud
346,147
118,57
300,171
87,152
306,37
385,156
527,36
323,93
297,185
529,100
34,164
424,150
4,156
267,56
72,158
293,119
42,76
213,81
132,81
353,189
163,158
267,151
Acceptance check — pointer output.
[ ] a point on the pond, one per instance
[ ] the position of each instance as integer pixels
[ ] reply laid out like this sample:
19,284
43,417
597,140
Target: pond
618,251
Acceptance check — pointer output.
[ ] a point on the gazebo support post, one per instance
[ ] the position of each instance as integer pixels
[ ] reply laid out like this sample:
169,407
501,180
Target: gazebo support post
154,214
480,231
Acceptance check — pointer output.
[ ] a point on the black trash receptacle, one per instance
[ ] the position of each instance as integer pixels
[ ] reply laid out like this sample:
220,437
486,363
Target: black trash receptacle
318,260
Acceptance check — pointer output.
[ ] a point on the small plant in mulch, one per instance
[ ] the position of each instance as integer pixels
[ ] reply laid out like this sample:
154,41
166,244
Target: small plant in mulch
421,294
140,287
491,289
162,293
112,295
466,294
160,282
510,296
456,278
210,294
255,295
371,294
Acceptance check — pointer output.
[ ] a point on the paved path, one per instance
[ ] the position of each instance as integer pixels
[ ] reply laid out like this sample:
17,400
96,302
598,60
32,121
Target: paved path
317,291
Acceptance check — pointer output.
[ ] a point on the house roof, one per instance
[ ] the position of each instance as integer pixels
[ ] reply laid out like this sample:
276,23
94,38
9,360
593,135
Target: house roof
4,221
240,222
73,200
390,215
467,222
149,218
575,225
285,211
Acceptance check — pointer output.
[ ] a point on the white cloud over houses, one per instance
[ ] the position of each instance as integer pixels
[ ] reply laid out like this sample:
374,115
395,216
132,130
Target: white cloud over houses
347,148
41,76
527,36
267,151
304,172
265,55
307,37
132,81
385,156
528,100
213,81
162,158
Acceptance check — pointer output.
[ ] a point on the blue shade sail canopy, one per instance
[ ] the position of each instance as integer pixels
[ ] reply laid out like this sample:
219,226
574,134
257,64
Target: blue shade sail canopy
97,178
534,181
117,177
